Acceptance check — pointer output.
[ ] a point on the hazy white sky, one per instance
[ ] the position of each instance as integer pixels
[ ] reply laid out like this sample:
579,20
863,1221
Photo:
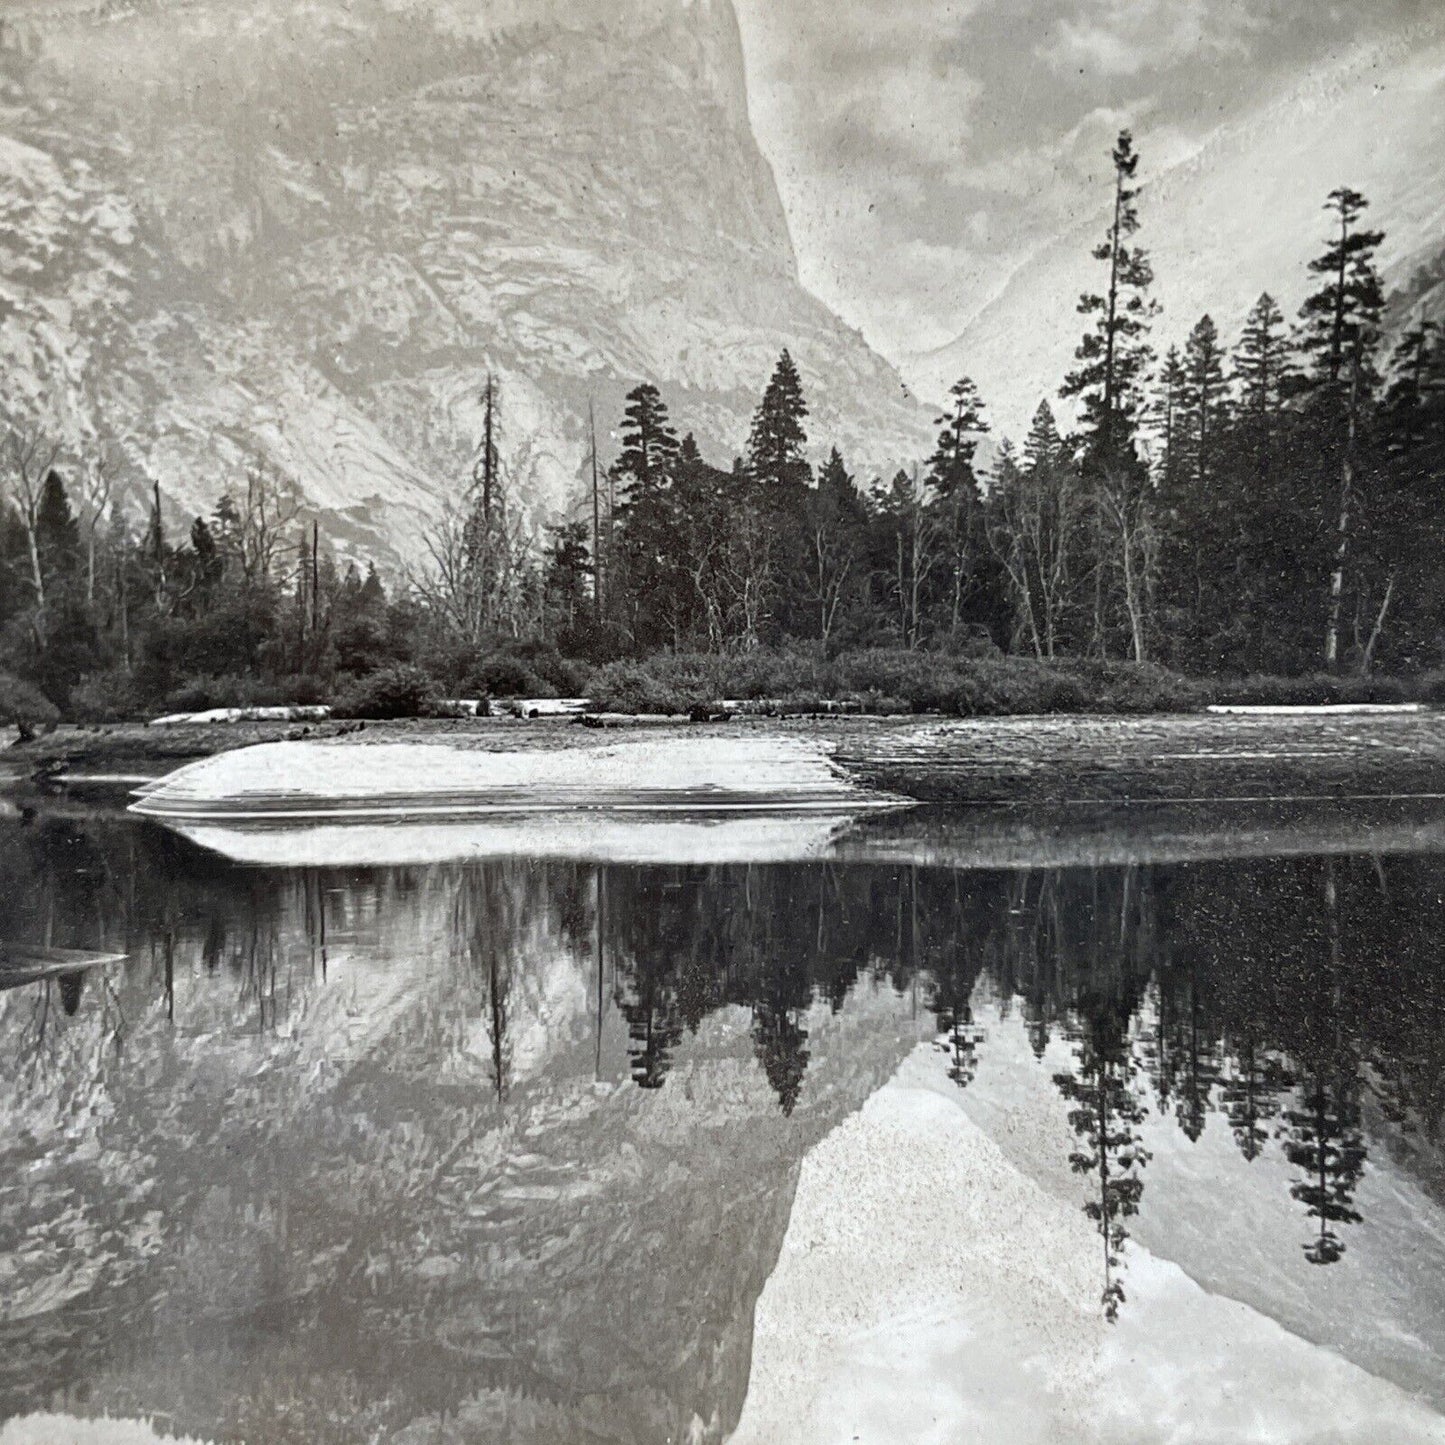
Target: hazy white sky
923,147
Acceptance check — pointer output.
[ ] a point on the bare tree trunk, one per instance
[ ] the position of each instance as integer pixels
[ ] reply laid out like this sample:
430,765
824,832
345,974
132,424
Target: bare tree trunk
1342,543
37,581
1367,658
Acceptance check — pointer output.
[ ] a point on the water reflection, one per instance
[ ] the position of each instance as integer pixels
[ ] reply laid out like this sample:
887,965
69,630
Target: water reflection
324,1119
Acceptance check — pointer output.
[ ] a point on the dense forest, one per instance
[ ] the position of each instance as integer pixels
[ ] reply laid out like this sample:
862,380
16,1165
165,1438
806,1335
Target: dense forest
1227,508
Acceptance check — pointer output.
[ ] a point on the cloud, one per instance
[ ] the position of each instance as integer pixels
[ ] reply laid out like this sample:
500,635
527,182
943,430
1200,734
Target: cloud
1123,38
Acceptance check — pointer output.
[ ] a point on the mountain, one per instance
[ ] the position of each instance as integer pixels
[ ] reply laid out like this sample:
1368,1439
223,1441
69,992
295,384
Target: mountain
1241,216
293,236
370,1164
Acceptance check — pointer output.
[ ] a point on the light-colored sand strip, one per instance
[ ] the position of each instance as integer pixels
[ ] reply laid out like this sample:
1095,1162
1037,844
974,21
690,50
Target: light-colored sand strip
1320,709
927,1291
306,779
650,838
67,1430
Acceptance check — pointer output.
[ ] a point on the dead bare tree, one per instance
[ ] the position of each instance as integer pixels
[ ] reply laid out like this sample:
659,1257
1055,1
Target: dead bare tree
834,551
29,456
96,486
746,565
1125,504
270,508
917,551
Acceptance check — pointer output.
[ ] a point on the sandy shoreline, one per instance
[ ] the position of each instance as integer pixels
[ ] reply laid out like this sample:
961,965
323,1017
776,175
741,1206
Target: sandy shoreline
1005,760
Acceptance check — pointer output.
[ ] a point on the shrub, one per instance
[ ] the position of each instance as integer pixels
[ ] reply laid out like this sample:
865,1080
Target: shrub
632,687
1016,686
1431,687
302,690
1263,690
1319,688
110,696
892,680
693,674
503,676
391,692
25,707
198,694
560,676
926,681
1132,687
776,674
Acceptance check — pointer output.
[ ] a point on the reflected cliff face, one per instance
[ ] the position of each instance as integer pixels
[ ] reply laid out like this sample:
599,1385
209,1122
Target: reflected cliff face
506,1150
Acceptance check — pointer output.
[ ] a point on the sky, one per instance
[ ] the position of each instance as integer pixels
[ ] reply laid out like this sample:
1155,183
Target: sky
924,147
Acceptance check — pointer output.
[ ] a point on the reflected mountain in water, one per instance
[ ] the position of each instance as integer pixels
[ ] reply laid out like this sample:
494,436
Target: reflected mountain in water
506,1149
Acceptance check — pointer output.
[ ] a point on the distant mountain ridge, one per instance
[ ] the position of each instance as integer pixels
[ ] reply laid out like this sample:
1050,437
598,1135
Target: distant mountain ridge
296,234
1241,216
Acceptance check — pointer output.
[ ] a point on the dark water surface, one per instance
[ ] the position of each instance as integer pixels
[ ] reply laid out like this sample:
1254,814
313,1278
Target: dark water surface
505,1150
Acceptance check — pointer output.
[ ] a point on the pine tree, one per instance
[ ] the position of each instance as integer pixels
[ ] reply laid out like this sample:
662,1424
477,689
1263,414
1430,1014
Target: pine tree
1105,1116
1198,554
1034,520
836,519
1340,322
1251,1086
950,468
1324,1141
566,580
372,595
57,534
951,1002
911,544
1204,413
653,1025
1114,354
777,497
1274,531
1409,455
1114,358
1413,412
1164,416
952,479
647,518
1339,334
649,443
1262,376
777,440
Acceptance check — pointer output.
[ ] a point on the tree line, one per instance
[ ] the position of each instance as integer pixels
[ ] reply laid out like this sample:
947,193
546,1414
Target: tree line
1265,504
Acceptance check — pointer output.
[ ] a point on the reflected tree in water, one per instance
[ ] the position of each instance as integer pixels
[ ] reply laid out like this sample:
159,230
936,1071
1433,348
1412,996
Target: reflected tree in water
487,922
1113,917
782,991
649,1004
1199,1063
1324,1140
1254,1080
1297,1008
954,969
1325,1143
1022,928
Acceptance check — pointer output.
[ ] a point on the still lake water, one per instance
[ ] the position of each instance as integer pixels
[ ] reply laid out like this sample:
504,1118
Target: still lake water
506,1150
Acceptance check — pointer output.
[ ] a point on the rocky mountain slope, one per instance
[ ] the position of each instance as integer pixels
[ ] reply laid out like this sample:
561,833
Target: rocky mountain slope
298,1205
294,236
1240,217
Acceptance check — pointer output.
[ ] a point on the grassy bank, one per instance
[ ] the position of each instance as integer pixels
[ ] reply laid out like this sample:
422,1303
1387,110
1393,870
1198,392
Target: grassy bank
872,681
886,681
